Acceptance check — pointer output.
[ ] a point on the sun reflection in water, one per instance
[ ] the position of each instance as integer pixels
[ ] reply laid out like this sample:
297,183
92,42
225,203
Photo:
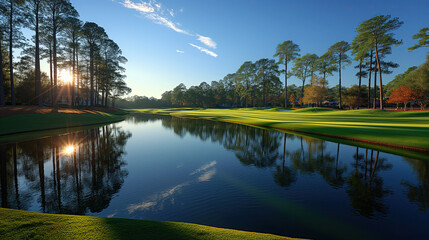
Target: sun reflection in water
69,150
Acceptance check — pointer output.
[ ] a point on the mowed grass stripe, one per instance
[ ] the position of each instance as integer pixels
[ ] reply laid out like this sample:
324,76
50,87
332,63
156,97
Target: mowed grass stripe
409,129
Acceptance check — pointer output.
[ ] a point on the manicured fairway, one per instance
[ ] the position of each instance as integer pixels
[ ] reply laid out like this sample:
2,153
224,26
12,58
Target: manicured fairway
409,129
16,224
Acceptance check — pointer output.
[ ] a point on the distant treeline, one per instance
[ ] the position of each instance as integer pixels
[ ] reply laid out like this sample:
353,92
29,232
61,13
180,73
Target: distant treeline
214,95
85,65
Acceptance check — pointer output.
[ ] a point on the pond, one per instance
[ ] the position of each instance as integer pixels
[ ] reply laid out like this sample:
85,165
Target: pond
219,174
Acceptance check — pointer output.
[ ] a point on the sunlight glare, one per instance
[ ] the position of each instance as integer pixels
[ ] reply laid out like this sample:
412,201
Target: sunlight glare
69,150
66,76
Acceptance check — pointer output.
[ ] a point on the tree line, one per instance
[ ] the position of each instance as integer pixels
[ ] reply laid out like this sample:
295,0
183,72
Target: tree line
82,49
258,83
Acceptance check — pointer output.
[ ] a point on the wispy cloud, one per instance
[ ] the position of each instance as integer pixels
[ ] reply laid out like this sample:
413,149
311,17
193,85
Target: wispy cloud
153,11
171,12
180,51
158,14
207,41
204,50
143,7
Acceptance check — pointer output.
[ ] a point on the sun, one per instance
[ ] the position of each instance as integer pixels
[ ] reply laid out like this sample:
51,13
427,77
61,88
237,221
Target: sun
69,150
66,76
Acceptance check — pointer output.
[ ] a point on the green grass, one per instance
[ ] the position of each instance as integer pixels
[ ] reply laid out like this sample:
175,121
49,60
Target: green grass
15,224
409,129
25,123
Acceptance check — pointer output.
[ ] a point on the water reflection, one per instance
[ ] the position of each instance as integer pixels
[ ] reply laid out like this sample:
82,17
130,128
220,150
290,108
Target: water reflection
419,193
366,185
157,200
363,178
219,174
73,173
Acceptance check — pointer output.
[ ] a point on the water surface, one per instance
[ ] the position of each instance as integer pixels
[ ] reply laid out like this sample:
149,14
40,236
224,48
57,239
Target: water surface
219,174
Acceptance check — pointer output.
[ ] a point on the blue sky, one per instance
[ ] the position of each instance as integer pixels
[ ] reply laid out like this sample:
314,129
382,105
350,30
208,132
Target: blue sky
161,38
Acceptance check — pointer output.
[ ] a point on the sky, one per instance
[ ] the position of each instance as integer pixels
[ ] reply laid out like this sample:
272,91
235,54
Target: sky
168,42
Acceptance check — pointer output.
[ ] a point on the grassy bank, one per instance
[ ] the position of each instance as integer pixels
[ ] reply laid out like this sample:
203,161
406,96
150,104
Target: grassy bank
33,122
16,224
407,130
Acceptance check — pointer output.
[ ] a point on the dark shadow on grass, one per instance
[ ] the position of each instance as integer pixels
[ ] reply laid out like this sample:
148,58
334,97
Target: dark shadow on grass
141,229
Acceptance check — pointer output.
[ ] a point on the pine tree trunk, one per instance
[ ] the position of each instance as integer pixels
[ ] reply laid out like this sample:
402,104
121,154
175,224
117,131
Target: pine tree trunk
77,75
379,74
54,53
74,74
2,100
106,98
50,75
286,83
91,69
360,82
12,88
38,82
339,86
375,90
369,80
247,91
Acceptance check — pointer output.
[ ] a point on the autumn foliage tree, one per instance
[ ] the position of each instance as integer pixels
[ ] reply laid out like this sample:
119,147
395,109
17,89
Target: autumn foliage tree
316,92
292,99
404,95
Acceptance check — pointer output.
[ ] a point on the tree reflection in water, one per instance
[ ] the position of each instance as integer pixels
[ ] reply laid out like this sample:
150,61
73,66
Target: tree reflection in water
81,172
363,182
365,185
73,173
419,193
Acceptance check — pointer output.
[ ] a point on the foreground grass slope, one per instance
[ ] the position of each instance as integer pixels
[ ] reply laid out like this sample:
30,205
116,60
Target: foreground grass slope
408,129
22,123
15,224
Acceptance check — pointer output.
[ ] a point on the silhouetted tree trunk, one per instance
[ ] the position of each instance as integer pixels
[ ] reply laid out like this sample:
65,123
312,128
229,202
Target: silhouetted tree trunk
77,76
54,56
12,89
74,76
375,90
379,74
360,82
37,79
339,86
51,90
91,69
2,100
369,80
286,60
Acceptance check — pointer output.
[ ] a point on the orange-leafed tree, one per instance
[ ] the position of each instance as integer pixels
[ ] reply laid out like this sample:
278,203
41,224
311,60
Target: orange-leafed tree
403,94
292,99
